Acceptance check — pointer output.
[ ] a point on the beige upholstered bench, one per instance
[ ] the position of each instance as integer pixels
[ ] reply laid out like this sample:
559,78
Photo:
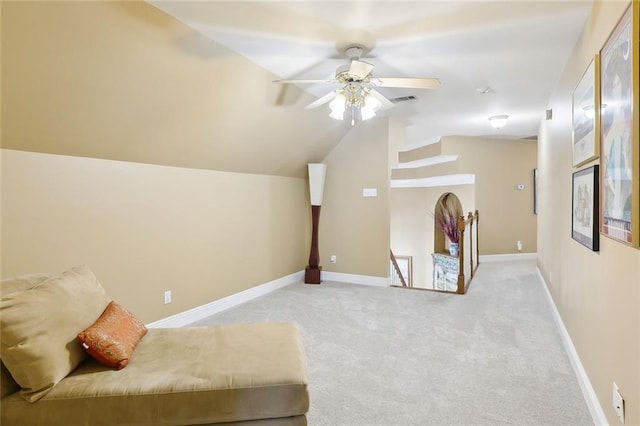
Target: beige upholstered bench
242,373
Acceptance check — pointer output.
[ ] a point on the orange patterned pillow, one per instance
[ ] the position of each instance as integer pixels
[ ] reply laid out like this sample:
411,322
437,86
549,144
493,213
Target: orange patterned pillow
113,337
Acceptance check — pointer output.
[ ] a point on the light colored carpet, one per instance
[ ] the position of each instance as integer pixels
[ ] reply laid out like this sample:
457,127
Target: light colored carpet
391,356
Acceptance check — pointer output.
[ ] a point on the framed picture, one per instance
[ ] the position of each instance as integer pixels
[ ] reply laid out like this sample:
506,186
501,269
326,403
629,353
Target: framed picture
584,218
586,104
535,191
620,153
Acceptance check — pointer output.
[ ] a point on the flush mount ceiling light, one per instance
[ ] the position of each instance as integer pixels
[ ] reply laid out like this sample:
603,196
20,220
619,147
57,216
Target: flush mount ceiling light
498,121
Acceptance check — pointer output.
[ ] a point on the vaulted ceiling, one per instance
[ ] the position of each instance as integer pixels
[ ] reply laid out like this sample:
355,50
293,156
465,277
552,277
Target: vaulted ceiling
491,57
190,83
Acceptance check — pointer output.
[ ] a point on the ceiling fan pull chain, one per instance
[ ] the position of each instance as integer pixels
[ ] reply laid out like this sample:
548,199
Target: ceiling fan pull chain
353,114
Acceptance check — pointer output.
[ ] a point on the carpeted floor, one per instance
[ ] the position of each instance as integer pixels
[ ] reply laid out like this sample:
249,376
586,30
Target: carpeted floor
391,356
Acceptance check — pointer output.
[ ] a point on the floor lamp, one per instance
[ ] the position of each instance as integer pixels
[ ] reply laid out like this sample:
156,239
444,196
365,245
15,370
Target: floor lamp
317,173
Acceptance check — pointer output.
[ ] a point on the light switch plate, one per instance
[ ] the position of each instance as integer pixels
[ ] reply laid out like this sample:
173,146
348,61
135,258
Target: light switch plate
370,192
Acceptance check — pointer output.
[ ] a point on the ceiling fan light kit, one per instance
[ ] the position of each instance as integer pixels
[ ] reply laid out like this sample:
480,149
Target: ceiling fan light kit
371,105
357,92
337,106
498,121
354,97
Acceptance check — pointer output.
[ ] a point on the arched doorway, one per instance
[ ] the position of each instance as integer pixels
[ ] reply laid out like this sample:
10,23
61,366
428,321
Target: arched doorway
445,216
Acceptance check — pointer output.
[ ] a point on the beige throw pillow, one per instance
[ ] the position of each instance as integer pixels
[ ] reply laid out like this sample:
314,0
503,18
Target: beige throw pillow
22,283
8,286
39,329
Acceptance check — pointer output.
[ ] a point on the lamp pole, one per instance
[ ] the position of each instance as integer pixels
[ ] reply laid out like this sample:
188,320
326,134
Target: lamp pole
317,173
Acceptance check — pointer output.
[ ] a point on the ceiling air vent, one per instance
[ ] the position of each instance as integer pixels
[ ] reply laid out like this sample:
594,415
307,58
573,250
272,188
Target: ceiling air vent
402,99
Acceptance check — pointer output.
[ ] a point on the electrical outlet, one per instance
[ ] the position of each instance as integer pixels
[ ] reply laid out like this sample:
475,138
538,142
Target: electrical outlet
333,259
618,403
167,297
519,245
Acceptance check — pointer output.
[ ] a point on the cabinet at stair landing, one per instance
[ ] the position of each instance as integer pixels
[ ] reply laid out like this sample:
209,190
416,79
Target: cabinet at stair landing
445,272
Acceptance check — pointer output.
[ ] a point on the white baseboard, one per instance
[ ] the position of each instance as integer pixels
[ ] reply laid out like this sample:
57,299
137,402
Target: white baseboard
507,257
589,394
192,315
355,279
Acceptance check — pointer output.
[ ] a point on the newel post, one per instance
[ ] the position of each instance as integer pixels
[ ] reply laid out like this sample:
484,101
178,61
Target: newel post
461,227
317,173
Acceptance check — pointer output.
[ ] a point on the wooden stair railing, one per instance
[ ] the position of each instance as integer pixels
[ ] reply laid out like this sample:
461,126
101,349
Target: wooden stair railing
462,225
396,268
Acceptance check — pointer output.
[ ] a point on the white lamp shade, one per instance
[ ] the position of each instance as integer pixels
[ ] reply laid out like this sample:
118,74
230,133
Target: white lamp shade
338,103
371,103
317,173
367,114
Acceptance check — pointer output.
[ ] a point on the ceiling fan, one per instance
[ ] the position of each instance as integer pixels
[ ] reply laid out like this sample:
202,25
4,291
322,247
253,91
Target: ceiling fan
356,91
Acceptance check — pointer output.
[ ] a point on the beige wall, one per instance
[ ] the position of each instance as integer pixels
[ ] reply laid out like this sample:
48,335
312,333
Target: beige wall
597,294
352,227
144,229
121,80
499,165
101,81
412,226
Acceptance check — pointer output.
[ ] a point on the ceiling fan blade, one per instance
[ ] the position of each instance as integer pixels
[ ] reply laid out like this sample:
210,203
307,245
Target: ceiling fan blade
410,83
323,100
359,69
386,103
304,81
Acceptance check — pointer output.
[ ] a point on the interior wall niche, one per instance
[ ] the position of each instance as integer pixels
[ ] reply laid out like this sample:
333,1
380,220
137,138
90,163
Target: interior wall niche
448,202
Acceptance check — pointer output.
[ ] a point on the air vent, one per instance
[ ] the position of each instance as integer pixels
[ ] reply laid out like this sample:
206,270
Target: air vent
402,99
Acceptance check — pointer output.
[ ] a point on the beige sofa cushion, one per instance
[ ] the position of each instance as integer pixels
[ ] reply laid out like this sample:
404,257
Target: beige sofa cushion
181,376
8,286
39,328
22,282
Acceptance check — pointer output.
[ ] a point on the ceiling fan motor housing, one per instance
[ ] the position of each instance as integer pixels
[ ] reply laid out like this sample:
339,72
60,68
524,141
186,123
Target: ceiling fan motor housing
354,52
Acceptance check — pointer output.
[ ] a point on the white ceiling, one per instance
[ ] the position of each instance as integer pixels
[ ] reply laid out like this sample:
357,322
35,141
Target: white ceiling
516,48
